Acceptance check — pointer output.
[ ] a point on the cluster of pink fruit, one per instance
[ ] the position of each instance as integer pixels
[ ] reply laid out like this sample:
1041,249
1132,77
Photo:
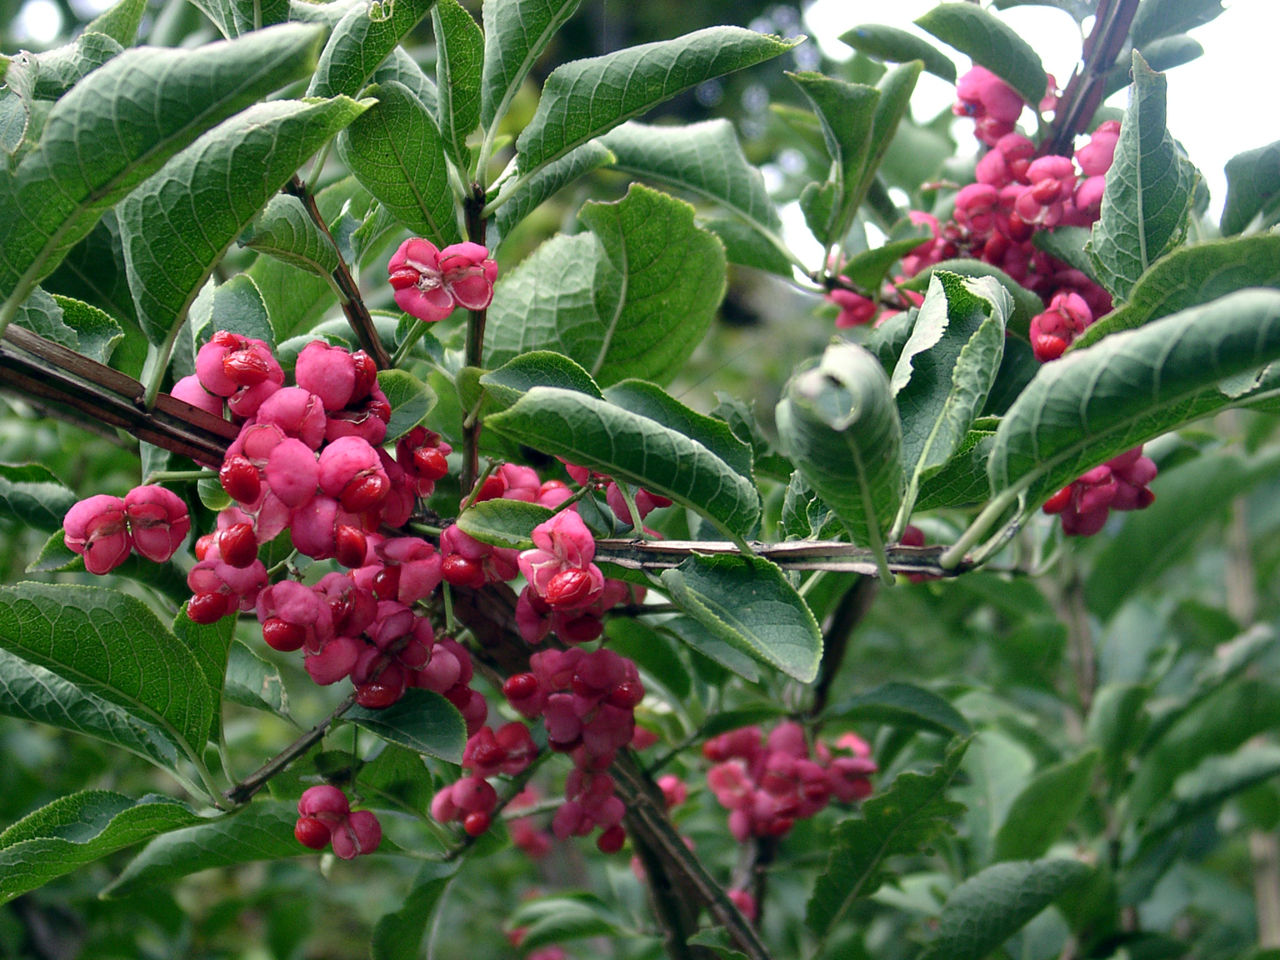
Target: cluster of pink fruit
105,529
1016,195
767,784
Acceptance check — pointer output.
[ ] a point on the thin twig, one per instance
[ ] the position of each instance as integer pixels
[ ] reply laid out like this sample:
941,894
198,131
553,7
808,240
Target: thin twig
1084,93
243,791
352,302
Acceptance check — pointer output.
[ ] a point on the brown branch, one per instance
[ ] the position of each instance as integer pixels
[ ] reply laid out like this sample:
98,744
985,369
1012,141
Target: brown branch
1084,93
243,791
476,227
834,555
352,302
853,606
32,366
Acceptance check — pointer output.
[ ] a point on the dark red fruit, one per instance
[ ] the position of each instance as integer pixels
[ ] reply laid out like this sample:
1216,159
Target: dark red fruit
365,492
461,572
611,840
492,488
238,545
312,833
377,695
569,588
626,695
476,823
208,607
245,368
351,546
283,636
430,463
366,376
522,686
240,478
386,583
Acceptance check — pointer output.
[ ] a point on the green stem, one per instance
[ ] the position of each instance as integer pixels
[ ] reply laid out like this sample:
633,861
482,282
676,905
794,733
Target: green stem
952,556
410,341
174,476
156,377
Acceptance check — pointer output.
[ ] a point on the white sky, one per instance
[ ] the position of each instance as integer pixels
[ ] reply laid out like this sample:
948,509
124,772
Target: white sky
1219,105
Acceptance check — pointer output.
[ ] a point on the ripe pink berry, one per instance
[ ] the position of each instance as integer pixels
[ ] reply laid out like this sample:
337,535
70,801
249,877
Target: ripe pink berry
283,636
96,529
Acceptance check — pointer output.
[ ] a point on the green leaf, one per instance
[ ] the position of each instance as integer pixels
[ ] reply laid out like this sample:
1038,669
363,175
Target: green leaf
398,935
1068,245
503,523
261,831
296,301
1149,190
1045,808
76,830
845,111
210,644
704,159
838,423
537,368
112,646
93,271
120,22
707,643
586,98
177,225
946,370
57,71
396,151
236,17
1161,18
359,43
631,299
1253,184
899,46
1094,404
632,448
96,332
987,909
653,402
130,117
559,919
895,88
459,57
868,269
253,682
1203,789
717,938
901,820
515,34
411,400
1190,276
1116,724
31,496
527,193
991,42
1025,303
748,603
963,481
904,705
423,721
236,306
33,693
286,231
